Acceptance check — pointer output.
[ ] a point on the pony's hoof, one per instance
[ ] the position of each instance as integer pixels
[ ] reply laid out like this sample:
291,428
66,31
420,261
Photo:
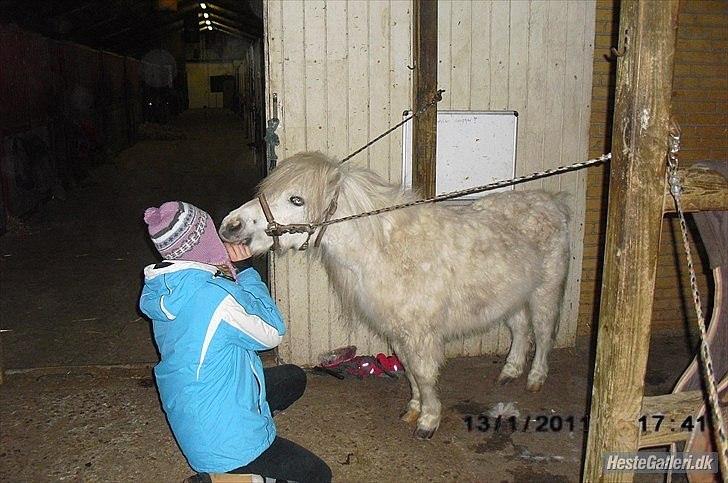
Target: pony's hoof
510,372
410,416
534,386
424,434
503,380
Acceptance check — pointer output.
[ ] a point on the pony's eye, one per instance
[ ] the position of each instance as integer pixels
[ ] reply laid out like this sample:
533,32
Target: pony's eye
296,200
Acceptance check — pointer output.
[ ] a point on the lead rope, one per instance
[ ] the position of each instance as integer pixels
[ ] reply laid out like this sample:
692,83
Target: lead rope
437,97
705,357
311,227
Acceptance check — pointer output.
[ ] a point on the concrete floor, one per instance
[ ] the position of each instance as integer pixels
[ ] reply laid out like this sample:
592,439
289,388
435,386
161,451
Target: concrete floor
70,281
87,424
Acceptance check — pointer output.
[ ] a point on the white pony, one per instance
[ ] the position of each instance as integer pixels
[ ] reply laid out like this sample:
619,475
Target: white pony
423,275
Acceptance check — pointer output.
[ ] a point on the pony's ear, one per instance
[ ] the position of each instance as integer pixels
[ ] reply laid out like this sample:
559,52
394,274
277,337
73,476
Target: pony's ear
334,178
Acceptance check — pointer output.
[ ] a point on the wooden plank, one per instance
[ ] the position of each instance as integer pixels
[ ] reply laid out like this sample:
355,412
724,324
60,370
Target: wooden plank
379,111
499,54
675,408
554,87
444,53
337,88
358,51
480,47
379,104
454,40
460,54
497,339
317,120
583,176
573,150
314,57
358,119
400,86
517,100
579,207
703,190
642,112
400,56
293,122
424,129
278,268
526,162
449,42
534,126
519,57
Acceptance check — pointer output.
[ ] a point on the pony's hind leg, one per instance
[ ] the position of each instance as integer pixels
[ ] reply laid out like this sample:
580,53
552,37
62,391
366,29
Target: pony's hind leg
544,313
519,327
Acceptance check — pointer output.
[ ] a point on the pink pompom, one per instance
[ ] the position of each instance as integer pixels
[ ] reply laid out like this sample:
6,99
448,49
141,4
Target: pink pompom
151,216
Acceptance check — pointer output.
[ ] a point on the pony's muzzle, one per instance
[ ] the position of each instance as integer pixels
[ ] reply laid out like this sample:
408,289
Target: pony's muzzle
231,229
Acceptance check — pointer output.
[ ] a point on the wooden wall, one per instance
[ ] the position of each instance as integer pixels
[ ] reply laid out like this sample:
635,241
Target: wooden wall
700,104
340,70
534,57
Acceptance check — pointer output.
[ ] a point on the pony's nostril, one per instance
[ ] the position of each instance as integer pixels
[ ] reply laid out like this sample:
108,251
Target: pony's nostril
235,225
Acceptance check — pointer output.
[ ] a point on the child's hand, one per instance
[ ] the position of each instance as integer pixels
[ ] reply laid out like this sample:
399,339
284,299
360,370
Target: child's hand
237,251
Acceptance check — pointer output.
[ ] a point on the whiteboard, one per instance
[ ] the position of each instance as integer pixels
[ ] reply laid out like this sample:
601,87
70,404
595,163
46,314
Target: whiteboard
473,148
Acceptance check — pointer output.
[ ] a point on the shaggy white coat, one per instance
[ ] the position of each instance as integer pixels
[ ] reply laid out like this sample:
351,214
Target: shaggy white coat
426,274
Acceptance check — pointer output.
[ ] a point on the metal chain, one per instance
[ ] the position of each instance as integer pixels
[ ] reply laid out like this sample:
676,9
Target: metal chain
437,97
705,357
310,227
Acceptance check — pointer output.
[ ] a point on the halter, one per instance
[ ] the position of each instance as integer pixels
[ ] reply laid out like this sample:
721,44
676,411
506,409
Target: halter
275,229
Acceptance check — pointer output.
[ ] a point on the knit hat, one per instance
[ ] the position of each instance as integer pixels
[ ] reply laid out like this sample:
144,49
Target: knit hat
182,231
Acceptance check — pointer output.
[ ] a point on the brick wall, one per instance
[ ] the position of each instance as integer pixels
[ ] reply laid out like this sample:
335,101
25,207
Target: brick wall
700,104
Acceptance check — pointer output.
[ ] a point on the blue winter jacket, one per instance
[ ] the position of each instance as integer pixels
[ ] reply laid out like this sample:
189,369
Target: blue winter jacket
210,378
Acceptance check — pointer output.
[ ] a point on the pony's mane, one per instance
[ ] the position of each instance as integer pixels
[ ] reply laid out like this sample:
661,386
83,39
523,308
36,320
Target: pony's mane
363,190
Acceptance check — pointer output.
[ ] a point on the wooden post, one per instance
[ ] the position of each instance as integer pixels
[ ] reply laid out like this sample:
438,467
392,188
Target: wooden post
634,219
424,128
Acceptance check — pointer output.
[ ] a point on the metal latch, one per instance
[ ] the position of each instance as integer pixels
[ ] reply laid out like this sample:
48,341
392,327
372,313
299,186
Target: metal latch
271,138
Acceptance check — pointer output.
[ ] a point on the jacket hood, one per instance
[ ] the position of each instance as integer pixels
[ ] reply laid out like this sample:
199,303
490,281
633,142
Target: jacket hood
168,288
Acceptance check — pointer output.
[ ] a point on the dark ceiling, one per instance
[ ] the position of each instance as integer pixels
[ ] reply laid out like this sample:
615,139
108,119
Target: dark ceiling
131,26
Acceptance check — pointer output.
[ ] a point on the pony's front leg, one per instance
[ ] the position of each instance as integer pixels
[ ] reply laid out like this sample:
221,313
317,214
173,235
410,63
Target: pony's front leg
431,407
424,363
412,412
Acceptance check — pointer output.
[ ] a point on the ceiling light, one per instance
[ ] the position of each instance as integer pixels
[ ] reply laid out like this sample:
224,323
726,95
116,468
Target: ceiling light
209,27
206,15
207,22
203,6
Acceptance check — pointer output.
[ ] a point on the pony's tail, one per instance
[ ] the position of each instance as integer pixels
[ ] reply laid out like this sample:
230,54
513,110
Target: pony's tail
563,201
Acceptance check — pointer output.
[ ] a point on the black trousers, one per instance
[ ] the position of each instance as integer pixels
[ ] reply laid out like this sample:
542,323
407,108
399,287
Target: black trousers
285,460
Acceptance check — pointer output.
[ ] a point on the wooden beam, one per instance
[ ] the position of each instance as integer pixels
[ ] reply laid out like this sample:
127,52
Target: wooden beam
251,25
703,190
675,408
424,127
634,219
